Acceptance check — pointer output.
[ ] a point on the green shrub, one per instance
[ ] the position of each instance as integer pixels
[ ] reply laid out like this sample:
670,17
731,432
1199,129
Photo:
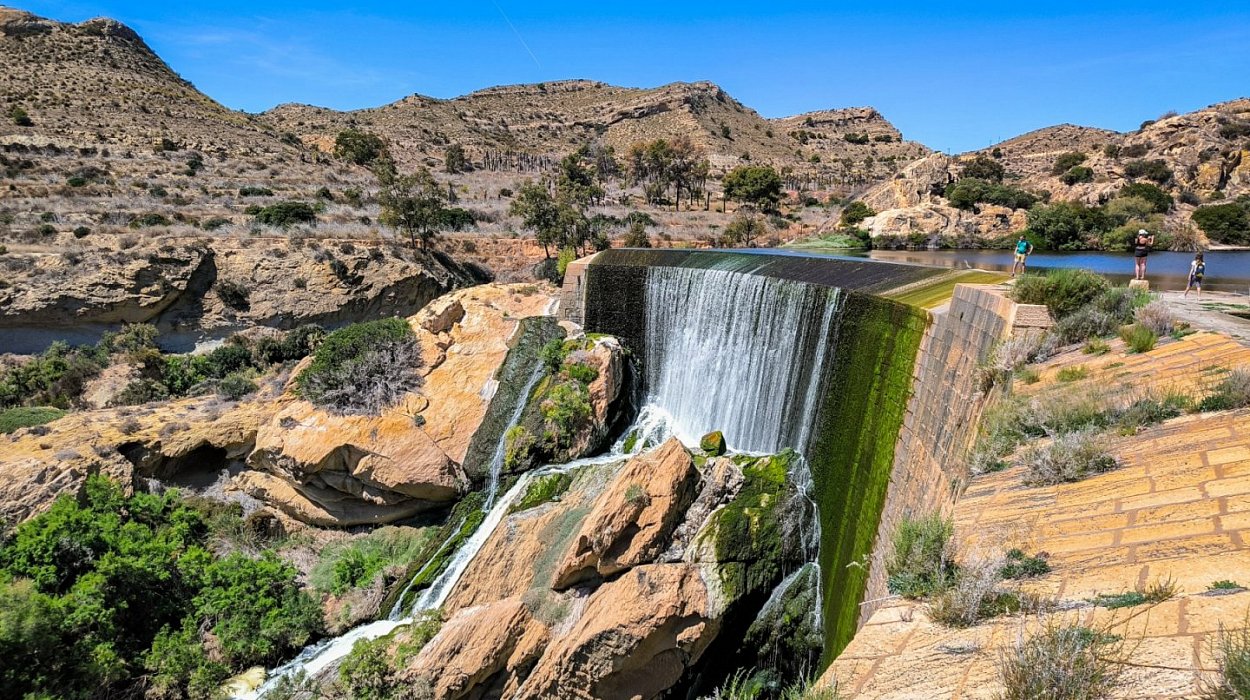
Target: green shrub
1225,223
55,377
1068,225
968,192
284,214
255,191
1073,373
358,147
81,232
920,558
234,295
565,409
235,386
984,168
1151,410
1225,585
552,355
1096,347
1066,162
1233,391
1021,565
149,220
141,391
19,116
1061,661
1077,175
1160,201
118,593
1231,680
356,562
364,367
580,372
25,417
1139,338
1086,323
1156,170
855,212
1063,291
1068,457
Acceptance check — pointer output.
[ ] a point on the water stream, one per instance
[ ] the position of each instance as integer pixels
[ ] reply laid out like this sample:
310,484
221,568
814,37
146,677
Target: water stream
501,448
726,351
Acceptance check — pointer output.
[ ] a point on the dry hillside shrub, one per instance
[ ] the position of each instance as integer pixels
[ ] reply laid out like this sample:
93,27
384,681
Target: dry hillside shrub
1067,457
1061,661
1157,317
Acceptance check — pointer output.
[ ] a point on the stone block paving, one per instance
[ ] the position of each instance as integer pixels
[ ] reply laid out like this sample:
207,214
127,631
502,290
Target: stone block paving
1177,510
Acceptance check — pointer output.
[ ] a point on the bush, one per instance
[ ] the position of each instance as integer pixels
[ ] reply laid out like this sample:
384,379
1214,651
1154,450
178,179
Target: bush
285,214
1225,223
150,220
108,586
1233,391
1062,661
968,192
1068,457
1156,170
1072,374
1161,200
81,232
1231,680
25,417
255,191
920,559
974,595
235,386
356,562
984,168
1151,410
358,147
1138,338
564,411
856,212
1063,291
141,391
1066,162
19,116
364,367
1067,225
1158,317
234,295
1077,175
1020,565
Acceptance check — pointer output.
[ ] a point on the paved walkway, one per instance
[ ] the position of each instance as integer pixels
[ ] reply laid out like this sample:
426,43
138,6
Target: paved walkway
1178,509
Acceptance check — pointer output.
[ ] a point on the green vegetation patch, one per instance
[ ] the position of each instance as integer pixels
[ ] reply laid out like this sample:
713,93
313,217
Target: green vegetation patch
935,292
920,556
542,489
852,450
117,595
364,367
26,417
355,563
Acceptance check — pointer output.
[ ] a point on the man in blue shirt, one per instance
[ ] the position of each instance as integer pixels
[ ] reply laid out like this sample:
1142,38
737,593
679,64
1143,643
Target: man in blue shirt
1023,250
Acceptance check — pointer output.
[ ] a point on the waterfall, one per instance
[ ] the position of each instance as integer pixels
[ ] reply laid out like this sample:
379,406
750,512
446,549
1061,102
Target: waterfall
496,461
735,352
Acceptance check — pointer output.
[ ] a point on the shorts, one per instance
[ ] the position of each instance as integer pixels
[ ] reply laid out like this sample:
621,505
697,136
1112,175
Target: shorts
1020,257
1195,280
1140,254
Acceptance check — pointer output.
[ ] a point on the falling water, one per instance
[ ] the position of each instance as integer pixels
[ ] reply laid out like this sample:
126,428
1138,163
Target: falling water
496,461
735,352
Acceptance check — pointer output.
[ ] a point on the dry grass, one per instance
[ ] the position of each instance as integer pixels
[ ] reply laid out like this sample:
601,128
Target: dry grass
1061,661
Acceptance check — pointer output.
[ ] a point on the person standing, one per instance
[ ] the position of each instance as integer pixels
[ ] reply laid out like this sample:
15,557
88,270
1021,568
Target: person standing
1023,250
1197,270
1141,248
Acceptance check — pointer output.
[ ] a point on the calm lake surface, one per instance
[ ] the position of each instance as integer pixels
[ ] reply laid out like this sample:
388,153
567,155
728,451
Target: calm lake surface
1227,270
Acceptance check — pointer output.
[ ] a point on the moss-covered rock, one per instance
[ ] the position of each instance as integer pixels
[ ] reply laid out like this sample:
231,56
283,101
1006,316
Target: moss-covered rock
713,443
748,530
787,634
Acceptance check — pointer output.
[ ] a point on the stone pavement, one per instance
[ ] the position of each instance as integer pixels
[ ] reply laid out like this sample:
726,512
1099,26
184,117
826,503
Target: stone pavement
1177,510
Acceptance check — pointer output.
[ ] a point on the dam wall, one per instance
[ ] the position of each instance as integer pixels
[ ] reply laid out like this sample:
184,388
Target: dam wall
893,389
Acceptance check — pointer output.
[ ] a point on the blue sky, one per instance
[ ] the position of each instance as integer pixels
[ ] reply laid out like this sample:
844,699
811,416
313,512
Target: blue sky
954,75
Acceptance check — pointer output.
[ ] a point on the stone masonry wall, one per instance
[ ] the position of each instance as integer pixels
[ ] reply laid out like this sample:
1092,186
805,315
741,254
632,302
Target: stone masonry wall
573,292
944,411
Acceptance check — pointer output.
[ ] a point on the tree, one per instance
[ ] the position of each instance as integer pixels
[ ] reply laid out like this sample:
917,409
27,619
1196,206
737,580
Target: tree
757,185
358,147
538,212
688,169
454,160
576,182
1156,170
1066,162
412,203
636,236
984,168
744,229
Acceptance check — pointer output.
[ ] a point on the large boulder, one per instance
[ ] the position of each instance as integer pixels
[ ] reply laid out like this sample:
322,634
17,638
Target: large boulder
632,520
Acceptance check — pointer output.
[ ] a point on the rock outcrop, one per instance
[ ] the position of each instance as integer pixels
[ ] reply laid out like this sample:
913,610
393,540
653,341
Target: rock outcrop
618,588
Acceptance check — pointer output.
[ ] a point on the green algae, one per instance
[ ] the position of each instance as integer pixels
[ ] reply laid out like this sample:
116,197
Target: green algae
852,450
543,489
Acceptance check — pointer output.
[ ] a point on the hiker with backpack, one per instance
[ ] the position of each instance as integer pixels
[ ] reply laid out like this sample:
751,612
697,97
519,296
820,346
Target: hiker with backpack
1197,270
